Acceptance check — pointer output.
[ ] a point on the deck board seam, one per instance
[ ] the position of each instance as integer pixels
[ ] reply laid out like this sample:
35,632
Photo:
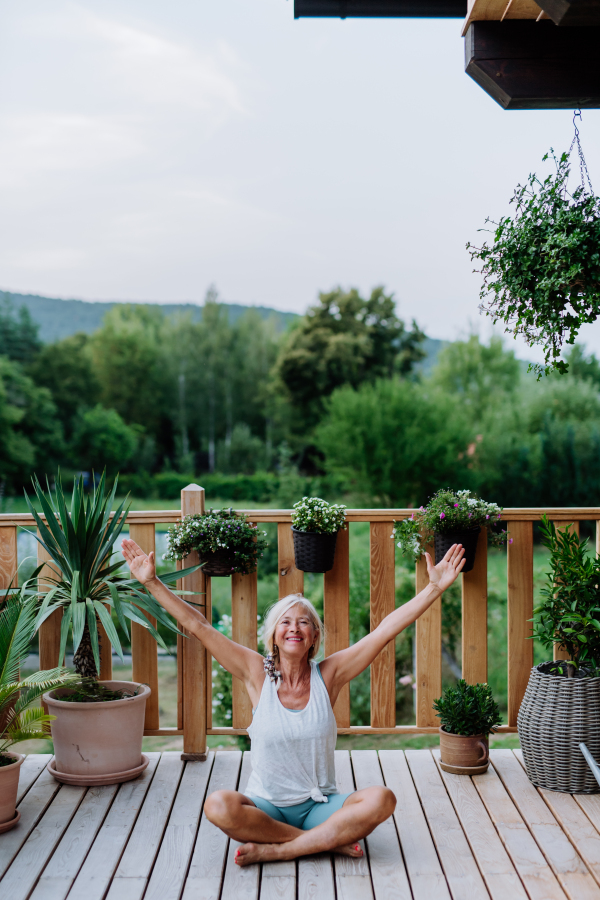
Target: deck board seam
393,817
228,845
366,839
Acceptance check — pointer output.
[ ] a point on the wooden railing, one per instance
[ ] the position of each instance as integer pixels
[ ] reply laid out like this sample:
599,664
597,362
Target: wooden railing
194,682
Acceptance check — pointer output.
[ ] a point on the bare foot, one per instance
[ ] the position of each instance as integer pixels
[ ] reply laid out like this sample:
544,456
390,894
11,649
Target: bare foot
349,850
253,853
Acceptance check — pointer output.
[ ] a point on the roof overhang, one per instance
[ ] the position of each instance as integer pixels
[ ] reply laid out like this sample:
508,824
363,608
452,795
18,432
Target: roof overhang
345,9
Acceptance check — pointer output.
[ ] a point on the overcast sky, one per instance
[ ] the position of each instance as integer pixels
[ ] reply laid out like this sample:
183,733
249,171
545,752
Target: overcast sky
149,148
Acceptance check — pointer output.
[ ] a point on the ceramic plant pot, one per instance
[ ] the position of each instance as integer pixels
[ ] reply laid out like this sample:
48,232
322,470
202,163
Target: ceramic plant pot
314,552
467,538
459,752
9,786
98,739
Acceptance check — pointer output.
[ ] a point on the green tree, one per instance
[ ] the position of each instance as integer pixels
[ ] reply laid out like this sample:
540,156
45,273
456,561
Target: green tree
19,338
102,440
66,369
478,373
395,441
344,339
586,368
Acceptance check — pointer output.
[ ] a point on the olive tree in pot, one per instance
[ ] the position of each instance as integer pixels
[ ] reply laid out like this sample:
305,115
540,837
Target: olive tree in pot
315,526
20,720
468,713
226,542
99,725
561,705
450,517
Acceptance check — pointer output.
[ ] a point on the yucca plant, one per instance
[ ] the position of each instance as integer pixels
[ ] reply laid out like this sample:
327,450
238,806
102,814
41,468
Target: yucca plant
19,720
80,543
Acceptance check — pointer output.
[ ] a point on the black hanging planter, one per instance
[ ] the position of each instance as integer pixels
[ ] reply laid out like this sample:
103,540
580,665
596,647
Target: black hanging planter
314,551
467,538
219,563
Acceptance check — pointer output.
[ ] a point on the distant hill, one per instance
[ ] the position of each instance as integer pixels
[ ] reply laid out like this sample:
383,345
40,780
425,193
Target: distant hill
59,318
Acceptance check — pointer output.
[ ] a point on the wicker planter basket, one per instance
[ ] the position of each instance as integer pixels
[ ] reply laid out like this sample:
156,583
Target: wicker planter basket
314,552
467,538
217,564
556,715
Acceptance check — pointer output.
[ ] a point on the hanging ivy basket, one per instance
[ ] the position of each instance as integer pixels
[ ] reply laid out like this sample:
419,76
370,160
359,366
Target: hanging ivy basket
541,271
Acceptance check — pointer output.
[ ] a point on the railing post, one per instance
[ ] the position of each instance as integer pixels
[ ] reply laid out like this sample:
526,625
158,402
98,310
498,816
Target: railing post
144,651
382,603
520,611
428,640
8,556
336,613
194,670
291,579
474,617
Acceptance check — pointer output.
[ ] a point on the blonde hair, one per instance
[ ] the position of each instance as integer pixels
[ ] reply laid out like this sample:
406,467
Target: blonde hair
278,611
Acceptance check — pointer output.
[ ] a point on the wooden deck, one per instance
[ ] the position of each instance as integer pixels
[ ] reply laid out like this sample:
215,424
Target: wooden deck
451,837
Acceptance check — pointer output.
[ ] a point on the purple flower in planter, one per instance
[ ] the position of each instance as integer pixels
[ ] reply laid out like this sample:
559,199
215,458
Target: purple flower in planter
510,540
487,517
442,515
455,505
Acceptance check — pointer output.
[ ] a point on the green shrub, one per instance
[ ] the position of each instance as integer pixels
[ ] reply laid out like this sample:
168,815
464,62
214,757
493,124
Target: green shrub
468,709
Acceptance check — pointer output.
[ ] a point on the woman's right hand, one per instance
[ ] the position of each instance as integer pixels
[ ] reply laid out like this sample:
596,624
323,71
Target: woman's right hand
141,565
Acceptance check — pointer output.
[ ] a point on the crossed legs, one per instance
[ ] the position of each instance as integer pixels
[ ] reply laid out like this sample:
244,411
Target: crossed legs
242,821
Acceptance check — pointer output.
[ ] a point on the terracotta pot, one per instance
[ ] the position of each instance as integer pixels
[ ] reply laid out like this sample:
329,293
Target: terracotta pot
9,785
92,739
464,751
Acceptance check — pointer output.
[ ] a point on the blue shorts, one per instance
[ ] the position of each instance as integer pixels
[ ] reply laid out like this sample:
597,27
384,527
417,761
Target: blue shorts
305,815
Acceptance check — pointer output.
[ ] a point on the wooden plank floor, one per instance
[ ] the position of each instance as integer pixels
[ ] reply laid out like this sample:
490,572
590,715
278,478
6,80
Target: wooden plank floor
451,837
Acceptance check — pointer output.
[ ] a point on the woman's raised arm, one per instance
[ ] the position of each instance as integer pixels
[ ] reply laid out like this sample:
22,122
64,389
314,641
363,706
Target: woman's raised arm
242,662
341,667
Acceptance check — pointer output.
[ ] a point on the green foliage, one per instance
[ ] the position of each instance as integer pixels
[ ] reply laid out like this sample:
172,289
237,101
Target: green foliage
446,513
102,440
219,529
316,515
570,612
66,370
394,441
17,628
90,691
80,543
19,338
468,709
542,269
345,339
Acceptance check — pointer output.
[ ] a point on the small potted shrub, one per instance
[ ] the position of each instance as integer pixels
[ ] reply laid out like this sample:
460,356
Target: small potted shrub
20,720
451,517
226,542
541,271
561,705
98,727
468,713
315,526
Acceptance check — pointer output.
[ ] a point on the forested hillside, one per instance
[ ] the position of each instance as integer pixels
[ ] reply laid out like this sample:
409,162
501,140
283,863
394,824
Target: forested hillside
345,402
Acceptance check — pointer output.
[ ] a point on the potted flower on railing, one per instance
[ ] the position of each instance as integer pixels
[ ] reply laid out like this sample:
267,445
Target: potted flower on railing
98,725
19,719
561,705
451,517
226,542
469,714
315,526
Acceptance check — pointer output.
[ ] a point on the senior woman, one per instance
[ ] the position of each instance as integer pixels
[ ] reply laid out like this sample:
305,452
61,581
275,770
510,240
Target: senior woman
291,806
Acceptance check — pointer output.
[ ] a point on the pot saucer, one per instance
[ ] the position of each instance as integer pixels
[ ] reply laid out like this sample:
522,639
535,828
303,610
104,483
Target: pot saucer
93,780
6,826
464,770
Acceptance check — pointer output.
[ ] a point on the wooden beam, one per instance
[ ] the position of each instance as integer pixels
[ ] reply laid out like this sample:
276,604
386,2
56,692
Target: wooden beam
535,65
573,12
345,9
499,10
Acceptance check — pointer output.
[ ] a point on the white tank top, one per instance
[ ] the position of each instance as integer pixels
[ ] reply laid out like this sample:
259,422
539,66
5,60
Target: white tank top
293,751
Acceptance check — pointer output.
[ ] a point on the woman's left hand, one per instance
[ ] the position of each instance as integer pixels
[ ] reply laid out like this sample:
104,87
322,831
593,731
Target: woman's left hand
446,572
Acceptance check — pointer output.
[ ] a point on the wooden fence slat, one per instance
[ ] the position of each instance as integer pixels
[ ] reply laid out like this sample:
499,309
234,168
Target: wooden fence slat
144,650
383,596
50,631
474,616
291,579
336,609
572,528
520,610
194,670
243,631
8,556
209,659
428,651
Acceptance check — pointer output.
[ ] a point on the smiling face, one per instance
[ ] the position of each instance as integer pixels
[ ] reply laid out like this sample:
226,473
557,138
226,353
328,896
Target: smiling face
295,633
